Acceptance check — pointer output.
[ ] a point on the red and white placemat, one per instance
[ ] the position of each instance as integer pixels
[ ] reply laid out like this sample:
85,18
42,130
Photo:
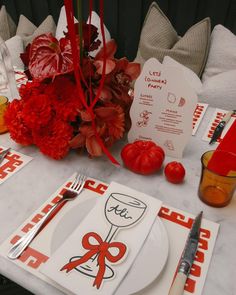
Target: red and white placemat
21,77
177,224
215,120
198,115
12,163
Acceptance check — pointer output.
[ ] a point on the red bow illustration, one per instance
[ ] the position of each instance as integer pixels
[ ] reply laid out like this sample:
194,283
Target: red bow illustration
102,250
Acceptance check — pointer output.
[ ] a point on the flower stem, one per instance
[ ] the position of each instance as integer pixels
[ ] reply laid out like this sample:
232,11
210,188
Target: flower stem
80,18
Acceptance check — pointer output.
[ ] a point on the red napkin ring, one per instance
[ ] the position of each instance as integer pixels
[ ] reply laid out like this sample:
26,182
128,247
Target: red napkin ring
223,159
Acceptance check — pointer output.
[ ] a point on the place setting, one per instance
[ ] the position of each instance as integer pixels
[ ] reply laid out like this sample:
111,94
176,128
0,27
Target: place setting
154,244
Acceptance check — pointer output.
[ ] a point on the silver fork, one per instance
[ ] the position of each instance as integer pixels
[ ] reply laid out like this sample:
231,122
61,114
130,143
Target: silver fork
3,155
70,194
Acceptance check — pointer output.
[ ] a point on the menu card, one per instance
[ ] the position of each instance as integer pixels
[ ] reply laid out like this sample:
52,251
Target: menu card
198,115
99,254
176,222
163,107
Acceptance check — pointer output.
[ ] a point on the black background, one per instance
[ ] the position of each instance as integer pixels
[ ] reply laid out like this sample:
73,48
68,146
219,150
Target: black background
124,18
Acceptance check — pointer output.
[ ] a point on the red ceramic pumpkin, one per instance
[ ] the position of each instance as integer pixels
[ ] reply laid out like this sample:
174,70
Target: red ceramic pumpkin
143,157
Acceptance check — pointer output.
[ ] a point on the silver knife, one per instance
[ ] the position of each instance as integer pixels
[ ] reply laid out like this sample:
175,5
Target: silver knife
187,258
3,155
219,128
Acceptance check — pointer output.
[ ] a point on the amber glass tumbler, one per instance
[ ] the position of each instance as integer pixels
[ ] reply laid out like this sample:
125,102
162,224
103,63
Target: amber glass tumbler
3,107
214,189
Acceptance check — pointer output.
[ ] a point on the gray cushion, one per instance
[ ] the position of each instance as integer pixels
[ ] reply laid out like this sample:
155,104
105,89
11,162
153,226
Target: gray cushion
28,31
159,38
7,25
25,27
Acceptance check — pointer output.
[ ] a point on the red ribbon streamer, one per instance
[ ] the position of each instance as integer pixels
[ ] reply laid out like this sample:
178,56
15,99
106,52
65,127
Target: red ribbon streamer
90,75
102,249
78,72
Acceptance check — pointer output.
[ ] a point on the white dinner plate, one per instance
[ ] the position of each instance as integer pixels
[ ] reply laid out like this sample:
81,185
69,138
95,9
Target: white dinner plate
147,266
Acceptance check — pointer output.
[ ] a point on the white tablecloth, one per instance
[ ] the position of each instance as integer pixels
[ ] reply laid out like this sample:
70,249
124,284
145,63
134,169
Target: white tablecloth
25,191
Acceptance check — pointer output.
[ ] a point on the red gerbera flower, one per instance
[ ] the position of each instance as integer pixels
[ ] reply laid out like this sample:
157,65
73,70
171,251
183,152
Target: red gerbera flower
86,137
114,118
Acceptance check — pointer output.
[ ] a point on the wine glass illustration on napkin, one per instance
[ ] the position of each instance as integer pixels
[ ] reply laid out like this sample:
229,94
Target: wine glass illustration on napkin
120,211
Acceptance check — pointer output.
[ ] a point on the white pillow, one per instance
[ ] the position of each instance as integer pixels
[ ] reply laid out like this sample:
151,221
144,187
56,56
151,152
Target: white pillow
62,24
220,90
222,54
16,47
189,75
95,20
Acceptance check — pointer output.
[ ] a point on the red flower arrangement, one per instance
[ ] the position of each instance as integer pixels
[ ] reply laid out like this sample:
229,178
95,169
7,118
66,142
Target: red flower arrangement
50,113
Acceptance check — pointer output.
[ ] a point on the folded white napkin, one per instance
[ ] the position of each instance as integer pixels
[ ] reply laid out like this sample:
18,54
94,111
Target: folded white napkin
16,47
7,74
95,20
62,24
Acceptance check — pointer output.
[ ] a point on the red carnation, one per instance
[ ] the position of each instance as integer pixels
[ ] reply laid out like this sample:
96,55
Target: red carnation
15,123
37,111
65,99
53,140
31,88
